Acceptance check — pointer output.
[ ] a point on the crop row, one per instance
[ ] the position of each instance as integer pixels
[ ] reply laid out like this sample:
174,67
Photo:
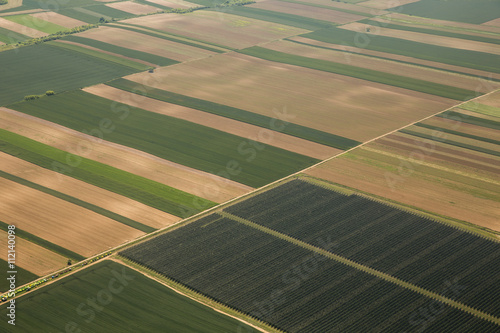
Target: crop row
274,280
407,246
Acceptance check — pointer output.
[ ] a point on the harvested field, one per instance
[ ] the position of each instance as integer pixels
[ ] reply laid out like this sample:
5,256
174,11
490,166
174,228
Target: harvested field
425,38
383,65
328,102
59,19
134,161
33,257
402,58
78,229
447,180
133,7
21,29
216,27
495,22
137,41
307,11
385,4
92,194
276,139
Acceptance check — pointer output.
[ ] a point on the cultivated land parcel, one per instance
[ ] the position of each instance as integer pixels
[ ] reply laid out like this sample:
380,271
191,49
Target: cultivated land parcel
348,153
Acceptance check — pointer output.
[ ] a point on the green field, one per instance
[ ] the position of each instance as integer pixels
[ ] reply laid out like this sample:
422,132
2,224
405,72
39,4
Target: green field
152,58
234,113
471,119
361,73
465,135
469,11
22,277
138,188
177,140
465,58
11,37
35,23
432,31
78,15
134,303
280,18
481,108
81,203
38,68
44,243
101,55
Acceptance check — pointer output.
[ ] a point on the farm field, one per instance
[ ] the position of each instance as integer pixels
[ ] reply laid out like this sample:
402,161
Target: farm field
419,37
218,28
124,158
36,23
234,127
20,29
149,44
133,7
377,76
342,6
33,257
448,55
323,14
163,310
477,11
384,4
92,194
9,36
447,164
58,19
320,292
332,103
381,65
62,70
213,151
76,226
23,276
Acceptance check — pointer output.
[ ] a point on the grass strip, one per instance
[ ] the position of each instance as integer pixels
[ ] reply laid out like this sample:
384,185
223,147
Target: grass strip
451,142
234,113
146,191
81,203
361,73
152,58
44,243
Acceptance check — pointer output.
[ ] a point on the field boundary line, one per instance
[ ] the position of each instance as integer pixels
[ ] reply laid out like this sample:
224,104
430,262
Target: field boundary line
363,268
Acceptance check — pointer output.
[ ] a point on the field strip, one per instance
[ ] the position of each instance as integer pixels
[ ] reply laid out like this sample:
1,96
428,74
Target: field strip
245,130
32,257
432,165
364,268
177,288
81,203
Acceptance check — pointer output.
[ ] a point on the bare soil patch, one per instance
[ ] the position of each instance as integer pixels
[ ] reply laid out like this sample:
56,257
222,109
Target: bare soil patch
33,257
60,222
